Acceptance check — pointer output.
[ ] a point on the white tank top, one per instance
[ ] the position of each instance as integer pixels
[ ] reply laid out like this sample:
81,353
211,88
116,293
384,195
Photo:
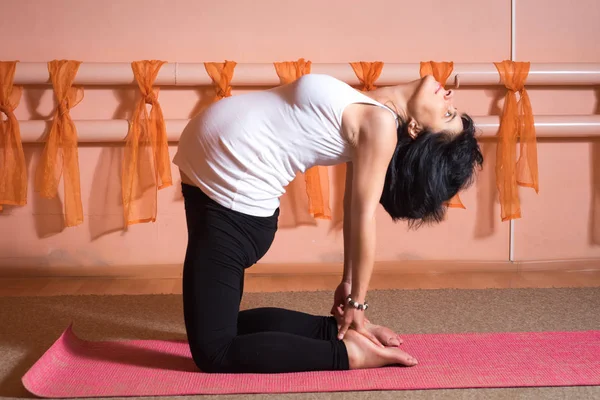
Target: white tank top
242,151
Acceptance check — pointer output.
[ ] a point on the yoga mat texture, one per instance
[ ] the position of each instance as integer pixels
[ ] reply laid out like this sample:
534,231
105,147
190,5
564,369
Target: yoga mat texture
73,367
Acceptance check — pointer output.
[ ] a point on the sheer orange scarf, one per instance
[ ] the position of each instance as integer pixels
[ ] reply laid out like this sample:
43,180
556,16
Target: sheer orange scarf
146,162
13,171
367,73
441,72
316,178
60,155
221,75
516,122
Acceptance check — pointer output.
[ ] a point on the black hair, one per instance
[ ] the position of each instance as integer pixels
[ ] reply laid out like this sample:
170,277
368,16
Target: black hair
426,172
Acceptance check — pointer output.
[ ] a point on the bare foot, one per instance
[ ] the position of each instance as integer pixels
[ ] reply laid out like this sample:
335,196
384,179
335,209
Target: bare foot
362,353
386,336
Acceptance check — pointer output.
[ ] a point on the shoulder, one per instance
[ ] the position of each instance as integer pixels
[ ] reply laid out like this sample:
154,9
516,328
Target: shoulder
322,82
369,123
375,117
377,127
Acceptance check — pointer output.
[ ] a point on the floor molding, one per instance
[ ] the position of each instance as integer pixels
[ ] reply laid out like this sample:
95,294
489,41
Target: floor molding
168,271
381,280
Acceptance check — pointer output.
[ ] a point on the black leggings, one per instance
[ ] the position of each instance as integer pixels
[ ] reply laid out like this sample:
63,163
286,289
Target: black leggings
222,243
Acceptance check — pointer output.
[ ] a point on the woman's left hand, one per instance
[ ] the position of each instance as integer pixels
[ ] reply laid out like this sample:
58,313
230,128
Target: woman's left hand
339,299
355,319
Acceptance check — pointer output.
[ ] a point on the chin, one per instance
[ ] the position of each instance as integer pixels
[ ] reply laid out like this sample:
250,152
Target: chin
426,89
430,83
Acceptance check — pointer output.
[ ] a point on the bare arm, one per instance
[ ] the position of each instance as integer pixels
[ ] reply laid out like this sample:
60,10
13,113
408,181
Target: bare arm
376,144
348,224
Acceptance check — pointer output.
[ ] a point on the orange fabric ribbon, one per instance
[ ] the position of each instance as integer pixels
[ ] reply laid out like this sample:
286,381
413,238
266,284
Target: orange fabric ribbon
317,178
367,73
441,72
289,71
146,162
516,122
13,171
221,75
62,142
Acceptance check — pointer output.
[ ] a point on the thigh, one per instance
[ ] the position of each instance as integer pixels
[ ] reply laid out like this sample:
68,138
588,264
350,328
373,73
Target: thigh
212,278
221,245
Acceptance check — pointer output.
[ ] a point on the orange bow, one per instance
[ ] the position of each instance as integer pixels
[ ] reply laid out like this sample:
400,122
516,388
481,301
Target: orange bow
289,71
516,122
146,162
441,72
367,73
62,139
13,171
317,178
221,75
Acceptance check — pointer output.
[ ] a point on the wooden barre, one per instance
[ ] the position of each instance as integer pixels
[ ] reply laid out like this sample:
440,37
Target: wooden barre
104,131
264,74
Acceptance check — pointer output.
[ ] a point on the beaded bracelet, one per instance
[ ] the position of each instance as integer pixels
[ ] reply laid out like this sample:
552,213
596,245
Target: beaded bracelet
357,305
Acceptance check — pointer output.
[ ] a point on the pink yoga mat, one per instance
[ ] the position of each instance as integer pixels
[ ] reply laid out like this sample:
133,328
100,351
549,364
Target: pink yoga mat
77,368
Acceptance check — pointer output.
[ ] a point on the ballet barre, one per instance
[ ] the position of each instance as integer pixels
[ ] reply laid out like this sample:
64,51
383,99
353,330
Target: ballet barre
105,131
264,74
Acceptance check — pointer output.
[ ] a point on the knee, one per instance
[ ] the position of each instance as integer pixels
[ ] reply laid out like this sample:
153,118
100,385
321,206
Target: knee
208,360
206,364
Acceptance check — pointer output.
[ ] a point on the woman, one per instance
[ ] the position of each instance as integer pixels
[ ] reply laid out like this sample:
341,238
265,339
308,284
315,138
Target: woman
405,147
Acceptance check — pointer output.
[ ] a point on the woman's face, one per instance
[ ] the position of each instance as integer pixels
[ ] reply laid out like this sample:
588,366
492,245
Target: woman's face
432,107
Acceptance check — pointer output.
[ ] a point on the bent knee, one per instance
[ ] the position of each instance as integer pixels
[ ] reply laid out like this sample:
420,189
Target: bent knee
211,360
207,365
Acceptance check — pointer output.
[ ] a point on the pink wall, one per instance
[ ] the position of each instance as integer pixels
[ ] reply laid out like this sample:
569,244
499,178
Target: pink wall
555,224
560,223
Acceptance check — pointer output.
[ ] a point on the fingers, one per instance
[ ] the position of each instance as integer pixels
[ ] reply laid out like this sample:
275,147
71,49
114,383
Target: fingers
334,308
371,337
347,321
385,335
375,340
395,341
343,329
339,315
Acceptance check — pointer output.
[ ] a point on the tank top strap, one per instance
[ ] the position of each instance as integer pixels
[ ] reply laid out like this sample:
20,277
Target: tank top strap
369,100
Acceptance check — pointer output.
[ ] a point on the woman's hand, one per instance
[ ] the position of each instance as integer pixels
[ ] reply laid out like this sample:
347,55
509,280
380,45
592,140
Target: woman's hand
339,299
355,319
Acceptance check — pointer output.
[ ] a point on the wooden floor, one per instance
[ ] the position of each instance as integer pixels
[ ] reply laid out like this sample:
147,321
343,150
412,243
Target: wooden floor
55,286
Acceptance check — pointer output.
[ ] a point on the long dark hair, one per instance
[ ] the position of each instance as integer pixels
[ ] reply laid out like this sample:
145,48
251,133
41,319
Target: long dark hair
426,172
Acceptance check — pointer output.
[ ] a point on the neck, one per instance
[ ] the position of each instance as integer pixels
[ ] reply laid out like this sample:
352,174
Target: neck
396,97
